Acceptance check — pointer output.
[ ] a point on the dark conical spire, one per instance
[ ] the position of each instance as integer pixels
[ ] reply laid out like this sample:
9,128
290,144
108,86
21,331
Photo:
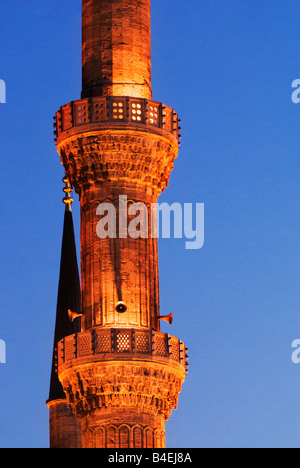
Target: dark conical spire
69,299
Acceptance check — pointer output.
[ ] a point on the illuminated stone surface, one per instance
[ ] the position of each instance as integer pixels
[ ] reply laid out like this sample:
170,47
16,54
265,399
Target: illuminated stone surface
121,375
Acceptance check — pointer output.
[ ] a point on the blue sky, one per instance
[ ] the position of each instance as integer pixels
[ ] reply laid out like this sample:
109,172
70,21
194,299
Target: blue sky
226,66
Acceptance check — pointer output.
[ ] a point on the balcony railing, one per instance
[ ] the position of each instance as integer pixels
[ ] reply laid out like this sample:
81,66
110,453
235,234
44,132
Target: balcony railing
116,111
119,342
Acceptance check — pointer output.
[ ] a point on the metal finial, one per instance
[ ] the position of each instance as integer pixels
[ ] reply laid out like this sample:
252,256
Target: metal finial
67,200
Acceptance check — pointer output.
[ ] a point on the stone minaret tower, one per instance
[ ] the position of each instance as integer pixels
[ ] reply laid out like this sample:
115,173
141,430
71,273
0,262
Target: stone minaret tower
120,373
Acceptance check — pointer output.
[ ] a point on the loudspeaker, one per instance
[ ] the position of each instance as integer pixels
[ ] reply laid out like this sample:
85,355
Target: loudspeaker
167,318
121,307
73,315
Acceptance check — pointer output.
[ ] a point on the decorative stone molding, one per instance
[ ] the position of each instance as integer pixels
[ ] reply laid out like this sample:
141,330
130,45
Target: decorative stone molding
123,436
146,387
117,155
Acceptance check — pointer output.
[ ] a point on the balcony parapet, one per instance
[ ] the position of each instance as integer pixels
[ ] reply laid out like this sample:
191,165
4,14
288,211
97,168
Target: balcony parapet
89,114
107,345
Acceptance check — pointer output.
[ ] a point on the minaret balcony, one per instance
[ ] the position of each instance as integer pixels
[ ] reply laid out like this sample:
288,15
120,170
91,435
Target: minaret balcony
111,344
142,370
99,113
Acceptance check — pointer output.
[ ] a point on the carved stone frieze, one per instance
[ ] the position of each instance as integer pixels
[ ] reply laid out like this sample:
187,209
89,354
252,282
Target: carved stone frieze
136,157
122,435
143,386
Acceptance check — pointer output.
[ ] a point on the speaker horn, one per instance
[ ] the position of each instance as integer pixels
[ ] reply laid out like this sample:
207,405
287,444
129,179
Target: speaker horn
167,318
73,315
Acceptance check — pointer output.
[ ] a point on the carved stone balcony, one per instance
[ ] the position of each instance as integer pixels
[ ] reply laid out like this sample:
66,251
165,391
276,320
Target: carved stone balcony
107,369
90,114
121,344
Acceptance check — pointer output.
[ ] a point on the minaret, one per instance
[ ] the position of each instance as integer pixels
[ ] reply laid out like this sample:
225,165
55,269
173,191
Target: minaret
121,374
65,428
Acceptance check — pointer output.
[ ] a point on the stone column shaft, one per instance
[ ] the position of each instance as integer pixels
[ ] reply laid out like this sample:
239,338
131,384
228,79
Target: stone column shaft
116,48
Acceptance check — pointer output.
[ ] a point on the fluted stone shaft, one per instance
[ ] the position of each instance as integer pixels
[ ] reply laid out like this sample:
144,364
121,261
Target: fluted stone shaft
116,48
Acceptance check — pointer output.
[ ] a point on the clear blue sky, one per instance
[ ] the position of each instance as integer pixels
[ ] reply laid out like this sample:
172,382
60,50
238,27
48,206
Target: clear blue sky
226,66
